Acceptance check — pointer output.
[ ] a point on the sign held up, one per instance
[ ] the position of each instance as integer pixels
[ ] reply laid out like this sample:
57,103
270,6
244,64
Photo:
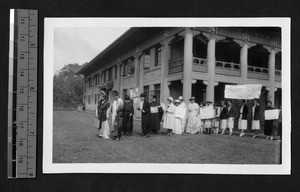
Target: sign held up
272,114
250,91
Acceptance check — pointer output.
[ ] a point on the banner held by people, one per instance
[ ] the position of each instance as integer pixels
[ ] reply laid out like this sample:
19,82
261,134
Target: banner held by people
207,113
250,91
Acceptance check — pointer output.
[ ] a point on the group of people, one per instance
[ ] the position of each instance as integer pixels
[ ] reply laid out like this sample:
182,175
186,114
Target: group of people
178,117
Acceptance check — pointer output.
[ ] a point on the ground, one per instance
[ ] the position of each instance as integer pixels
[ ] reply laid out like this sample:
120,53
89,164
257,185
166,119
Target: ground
75,141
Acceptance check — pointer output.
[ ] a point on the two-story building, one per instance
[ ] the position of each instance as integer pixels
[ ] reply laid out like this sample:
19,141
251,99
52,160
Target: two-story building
198,61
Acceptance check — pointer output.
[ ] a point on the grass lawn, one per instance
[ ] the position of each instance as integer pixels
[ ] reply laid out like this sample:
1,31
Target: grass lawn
75,141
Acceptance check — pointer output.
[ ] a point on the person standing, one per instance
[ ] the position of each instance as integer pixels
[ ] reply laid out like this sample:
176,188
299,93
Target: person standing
169,120
145,109
193,111
230,117
255,118
117,102
183,105
155,111
117,115
216,120
243,118
178,119
128,112
223,117
208,122
268,127
102,112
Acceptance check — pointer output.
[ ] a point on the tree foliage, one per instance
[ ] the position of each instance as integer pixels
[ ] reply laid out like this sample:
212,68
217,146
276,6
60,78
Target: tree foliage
68,87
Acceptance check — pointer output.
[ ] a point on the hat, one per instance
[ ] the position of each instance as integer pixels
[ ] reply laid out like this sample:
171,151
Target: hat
192,98
170,99
127,97
209,102
180,98
176,101
103,93
142,95
115,93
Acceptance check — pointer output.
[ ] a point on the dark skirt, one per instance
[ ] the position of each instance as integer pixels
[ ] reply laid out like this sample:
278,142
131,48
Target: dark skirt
127,123
154,122
268,127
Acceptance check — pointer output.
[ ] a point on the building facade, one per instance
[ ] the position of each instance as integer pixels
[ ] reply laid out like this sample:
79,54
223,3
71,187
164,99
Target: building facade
197,61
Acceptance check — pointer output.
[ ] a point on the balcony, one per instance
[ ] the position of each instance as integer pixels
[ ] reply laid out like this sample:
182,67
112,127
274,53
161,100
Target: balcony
223,68
258,73
228,69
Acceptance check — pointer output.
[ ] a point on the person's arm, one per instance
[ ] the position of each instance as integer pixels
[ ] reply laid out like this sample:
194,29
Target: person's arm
147,106
171,109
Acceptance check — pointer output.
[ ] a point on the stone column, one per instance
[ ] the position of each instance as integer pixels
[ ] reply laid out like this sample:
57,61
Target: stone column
121,80
271,93
141,72
211,65
244,63
187,64
165,57
136,71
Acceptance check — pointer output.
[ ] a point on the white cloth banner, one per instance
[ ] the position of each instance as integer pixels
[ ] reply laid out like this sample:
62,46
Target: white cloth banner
153,109
272,114
180,112
250,91
207,113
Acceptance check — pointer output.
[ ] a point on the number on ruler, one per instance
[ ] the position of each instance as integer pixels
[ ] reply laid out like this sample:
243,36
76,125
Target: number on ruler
22,73
21,91
20,160
22,56
21,108
20,143
21,125
22,21
22,38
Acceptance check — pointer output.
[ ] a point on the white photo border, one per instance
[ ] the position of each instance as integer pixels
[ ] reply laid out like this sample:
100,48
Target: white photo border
49,167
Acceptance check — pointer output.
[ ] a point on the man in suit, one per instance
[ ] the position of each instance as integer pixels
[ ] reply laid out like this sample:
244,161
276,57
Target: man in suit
145,109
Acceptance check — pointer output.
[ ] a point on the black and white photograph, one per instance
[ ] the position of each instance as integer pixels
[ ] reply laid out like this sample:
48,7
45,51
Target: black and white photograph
158,95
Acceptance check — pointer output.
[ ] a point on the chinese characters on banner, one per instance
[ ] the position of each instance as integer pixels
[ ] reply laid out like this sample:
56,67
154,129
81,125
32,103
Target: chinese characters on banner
272,114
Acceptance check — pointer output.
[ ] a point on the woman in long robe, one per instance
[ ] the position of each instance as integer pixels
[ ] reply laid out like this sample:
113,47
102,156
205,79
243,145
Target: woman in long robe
155,113
193,109
268,127
102,113
178,120
169,118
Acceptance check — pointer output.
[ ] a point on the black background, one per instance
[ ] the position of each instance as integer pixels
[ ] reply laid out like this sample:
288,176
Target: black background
146,182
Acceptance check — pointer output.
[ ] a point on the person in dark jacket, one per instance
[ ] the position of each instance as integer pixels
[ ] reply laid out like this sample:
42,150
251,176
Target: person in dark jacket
118,112
155,111
223,117
268,127
230,116
145,109
128,112
255,118
243,118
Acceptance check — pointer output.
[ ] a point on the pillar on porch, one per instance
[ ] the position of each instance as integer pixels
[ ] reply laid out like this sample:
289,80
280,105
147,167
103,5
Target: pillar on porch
211,65
141,72
165,57
271,63
187,64
121,77
136,71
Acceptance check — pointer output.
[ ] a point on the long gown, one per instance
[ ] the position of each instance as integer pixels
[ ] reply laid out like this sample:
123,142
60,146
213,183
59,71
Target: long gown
169,118
191,126
178,122
104,131
114,107
154,123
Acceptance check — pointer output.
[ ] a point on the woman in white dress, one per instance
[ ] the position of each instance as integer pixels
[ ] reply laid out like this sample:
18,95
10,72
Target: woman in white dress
178,119
243,118
102,112
193,110
169,118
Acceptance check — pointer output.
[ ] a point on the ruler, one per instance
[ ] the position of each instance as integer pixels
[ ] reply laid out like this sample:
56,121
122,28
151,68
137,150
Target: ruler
22,104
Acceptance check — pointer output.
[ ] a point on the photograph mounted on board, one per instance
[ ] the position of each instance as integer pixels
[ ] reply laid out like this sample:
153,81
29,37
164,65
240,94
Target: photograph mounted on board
178,96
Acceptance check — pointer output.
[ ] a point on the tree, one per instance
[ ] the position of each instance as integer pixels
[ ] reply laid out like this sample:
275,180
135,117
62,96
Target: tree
68,87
